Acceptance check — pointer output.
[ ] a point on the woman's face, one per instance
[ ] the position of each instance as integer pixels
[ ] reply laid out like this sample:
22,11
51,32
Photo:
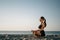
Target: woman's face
41,20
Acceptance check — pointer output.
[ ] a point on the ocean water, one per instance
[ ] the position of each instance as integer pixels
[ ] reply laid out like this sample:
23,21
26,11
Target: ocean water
52,32
29,32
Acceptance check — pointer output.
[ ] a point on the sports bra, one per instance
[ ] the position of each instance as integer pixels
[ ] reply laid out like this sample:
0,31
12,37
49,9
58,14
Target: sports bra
40,26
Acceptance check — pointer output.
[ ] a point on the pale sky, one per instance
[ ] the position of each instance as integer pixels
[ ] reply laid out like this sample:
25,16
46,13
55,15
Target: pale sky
23,15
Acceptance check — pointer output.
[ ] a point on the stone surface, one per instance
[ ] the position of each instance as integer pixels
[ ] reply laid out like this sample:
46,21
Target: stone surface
27,37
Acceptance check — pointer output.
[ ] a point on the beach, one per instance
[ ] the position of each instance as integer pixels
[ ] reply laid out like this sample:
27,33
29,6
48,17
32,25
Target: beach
27,35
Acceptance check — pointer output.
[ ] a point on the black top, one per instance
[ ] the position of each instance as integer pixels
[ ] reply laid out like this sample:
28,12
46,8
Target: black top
40,26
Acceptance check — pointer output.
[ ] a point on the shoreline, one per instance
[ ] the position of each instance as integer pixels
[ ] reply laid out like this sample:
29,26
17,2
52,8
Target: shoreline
27,37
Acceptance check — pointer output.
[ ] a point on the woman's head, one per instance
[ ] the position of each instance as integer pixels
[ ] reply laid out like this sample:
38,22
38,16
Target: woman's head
42,19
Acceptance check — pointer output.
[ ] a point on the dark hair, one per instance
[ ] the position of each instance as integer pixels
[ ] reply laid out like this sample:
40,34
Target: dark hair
44,20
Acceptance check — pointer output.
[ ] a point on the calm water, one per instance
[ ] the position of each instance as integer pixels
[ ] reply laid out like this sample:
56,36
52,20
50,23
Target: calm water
29,32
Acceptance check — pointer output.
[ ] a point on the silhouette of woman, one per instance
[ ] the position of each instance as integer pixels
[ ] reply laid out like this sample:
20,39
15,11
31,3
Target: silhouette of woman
40,31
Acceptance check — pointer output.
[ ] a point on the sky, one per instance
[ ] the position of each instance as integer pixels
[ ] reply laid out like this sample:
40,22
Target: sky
23,15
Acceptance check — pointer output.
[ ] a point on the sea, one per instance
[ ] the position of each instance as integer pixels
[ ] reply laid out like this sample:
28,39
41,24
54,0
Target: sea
29,32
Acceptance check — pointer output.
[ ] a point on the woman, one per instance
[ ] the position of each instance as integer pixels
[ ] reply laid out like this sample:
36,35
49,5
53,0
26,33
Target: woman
41,27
